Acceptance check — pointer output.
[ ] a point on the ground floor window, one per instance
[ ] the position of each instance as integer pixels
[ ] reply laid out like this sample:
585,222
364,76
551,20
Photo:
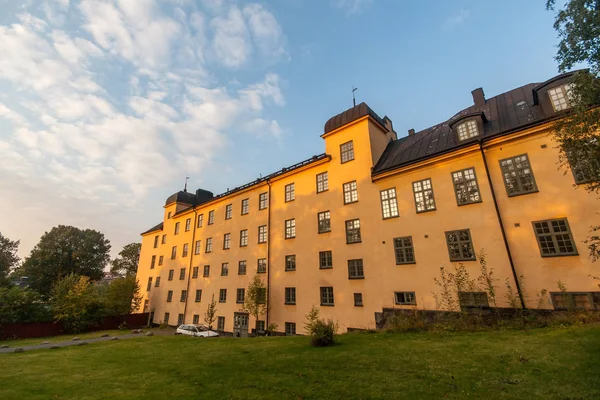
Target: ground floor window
290,328
405,298
221,323
196,319
576,300
180,319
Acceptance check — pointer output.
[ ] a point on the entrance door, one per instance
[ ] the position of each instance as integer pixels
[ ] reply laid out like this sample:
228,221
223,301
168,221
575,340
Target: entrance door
240,324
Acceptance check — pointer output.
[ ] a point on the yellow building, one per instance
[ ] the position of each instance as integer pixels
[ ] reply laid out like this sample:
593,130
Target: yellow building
368,224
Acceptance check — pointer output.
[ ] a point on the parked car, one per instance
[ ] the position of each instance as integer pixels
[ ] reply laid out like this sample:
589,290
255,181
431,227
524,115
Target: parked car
195,330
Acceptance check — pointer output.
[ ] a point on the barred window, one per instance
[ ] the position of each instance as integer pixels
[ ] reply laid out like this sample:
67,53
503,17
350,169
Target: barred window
242,268
290,328
182,274
322,182
290,228
196,319
197,247
222,295
173,252
424,199
554,237
244,238
465,187
327,296
355,269
228,211
358,300
263,201
200,220
325,259
353,231
347,152
290,295
467,130
198,298
185,250
226,241
460,245
211,217
206,272
152,262
405,298
560,97
262,234
157,284
161,259
290,194
221,324
290,262
169,296
183,296
195,271
149,285
473,299
324,219
404,251
245,206
208,248
518,175
262,266
240,295
224,269
350,192
188,224
176,228
389,203
171,274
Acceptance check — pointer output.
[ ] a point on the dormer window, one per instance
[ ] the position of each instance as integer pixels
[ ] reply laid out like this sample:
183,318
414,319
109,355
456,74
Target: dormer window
467,130
560,96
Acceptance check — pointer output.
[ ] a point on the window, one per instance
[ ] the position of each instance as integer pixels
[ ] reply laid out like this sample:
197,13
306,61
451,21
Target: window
290,295
245,206
405,298
263,201
157,284
183,296
290,228
200,220
169,215
518,176
322,182
155,241
176,228
242,268
222,295
262,234
465,187
404,251
290,194
164,239
173,252
290,262
239,297
211,217
221,323
185,250
260,326
355,269
228,211
261,296
146,303
325,259
198,298
208,248
423,191
180,319
161,259
244,238
196,319
206,272
573,300
166,319
324,221
560,96
353,231
389,203
327,296
182,274
554,237
198,247
195,272
171,273
585,168
152,262
188,224
473,299
358,301
347,152
262,266
149,286
169,296
224,269
460,245
290,328
350,192
226,241
467,130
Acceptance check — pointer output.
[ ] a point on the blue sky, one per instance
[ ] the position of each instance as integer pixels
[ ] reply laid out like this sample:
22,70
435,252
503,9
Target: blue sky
106,105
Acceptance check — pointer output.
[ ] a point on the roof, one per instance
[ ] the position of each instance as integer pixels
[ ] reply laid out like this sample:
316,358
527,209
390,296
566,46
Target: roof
182,197
504,113
351,114
157,227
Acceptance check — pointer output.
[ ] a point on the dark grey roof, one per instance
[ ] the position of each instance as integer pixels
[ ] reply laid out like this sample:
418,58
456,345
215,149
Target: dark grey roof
505,113
182,197
351,114
157,227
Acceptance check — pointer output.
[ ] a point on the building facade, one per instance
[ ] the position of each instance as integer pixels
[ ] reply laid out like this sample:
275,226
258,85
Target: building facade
367,224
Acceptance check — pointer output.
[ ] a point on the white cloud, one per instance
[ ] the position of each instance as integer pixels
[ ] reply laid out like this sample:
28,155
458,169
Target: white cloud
351,6
456,20
265,30
231,42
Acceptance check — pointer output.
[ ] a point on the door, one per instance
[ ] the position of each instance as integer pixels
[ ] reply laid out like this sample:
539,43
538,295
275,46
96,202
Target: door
240,324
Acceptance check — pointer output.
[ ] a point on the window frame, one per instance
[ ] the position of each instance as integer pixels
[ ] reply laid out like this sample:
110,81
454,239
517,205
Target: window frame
225,269
464,189
228,211
423,191
403,248
208,245
245,206
263,201
351,192
195,272
222,295
290,328
291,229
356,269
353,228
161,260
163,240
290,192
349,152
182,274
467,124
169,296
211,217
328,220
412,300
358,300
459,242
226,241
206,271
322,292
237,295
290,296
390,200
244,238
171,275
553,234
323,255
220,323
200,221
185,250
322,182
594,304
242,271
176,228
157,282
188,224
262,234
565,92
183,297
173,252
153,261
290,263
504,170
259,264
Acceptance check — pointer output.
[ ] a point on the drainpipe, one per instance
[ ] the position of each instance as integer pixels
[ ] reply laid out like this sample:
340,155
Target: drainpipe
500,222
189,275
268,255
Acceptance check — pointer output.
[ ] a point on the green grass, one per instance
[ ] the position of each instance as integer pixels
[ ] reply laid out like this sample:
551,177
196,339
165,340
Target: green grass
559,363
61,338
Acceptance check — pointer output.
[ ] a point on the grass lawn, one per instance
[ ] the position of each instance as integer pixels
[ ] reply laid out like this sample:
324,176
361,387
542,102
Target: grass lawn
559,363
62,338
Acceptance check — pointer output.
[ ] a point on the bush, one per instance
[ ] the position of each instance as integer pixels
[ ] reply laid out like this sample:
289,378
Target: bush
323,333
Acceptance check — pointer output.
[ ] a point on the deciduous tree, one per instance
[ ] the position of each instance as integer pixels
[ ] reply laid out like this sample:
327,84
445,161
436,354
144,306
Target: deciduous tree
255,299
127,262
22,305
76,302
8,258
210,316
122,296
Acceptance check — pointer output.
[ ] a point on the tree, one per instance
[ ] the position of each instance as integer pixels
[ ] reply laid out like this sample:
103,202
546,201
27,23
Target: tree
255,300
62,251
210,315
76,302
22,305
127,262
578,133
8,258
122,296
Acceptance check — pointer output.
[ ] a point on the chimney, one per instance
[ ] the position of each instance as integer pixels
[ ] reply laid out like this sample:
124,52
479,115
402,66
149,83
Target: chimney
478,97
411,132
388,123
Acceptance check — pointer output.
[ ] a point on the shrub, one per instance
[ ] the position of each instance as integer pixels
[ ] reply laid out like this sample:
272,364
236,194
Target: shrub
322,332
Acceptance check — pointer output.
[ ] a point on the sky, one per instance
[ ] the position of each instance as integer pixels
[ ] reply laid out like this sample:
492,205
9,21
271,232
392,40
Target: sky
107,105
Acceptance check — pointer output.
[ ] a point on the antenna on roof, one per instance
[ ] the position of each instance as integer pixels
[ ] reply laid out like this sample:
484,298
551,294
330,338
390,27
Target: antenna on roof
354,98
186,179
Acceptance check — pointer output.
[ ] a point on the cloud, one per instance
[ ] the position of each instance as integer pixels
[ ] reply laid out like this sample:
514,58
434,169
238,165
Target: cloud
455,21
351,6
231,43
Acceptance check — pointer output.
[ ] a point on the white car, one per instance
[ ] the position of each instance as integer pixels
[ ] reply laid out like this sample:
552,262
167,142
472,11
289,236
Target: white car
195,330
